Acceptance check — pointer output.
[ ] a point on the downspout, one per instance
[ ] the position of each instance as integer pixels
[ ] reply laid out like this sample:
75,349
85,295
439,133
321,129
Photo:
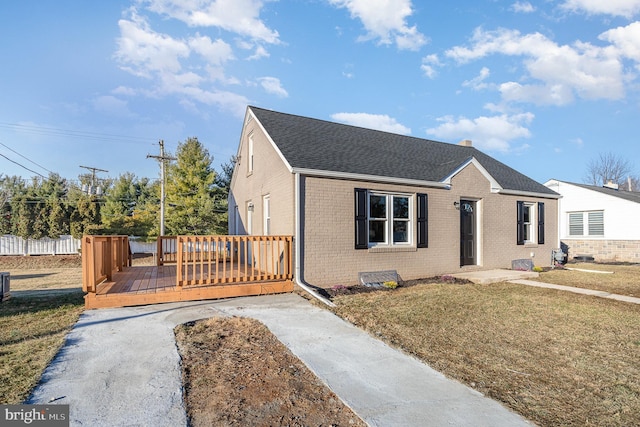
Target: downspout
298,249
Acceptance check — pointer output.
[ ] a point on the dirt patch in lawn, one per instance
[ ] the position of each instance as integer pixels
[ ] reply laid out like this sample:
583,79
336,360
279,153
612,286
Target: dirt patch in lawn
236,373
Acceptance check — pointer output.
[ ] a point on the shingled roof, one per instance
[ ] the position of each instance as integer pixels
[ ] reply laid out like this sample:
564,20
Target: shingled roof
632,196
321,145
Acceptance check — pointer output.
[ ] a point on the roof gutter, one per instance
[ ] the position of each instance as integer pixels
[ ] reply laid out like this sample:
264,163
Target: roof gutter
297,277
366,177
529,193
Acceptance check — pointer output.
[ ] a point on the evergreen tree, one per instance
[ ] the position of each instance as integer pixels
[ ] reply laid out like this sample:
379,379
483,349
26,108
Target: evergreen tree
190,191
130,206
55,208
10,187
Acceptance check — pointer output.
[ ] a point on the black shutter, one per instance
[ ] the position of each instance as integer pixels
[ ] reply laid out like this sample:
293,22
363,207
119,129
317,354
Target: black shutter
361,219
520,222
540,223
422,220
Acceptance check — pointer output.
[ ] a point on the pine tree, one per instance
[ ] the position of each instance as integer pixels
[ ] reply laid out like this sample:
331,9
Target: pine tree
190,192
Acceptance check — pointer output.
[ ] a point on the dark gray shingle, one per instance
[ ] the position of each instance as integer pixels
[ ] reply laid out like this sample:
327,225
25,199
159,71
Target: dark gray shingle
632,196
326,146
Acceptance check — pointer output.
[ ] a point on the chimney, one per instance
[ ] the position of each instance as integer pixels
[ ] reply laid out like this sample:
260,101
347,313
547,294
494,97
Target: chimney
611,185
466,143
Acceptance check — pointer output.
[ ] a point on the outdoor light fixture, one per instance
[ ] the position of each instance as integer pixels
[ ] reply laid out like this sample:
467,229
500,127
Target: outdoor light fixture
250,207
456,205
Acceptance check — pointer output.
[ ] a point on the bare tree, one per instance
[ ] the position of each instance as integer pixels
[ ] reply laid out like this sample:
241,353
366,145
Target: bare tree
608,167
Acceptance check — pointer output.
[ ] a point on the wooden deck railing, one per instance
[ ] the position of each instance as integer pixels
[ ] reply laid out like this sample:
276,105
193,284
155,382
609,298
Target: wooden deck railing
204,260
101,257
167,250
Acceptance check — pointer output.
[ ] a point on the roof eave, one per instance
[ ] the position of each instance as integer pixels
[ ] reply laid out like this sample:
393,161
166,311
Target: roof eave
372,178
528,194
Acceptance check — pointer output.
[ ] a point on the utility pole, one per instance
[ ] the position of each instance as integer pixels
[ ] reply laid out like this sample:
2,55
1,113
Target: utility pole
162,158
93,176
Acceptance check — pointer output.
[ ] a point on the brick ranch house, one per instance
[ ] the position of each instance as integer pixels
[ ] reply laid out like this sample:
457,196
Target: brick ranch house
598,222
360,200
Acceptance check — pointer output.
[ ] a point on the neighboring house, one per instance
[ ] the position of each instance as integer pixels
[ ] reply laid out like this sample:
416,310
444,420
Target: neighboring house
601,222
360,200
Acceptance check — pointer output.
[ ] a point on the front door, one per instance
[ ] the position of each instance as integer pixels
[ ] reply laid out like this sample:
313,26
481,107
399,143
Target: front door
467,232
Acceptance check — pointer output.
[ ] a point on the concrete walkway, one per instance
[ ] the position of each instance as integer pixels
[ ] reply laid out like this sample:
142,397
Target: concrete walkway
601,294
121,367
521,278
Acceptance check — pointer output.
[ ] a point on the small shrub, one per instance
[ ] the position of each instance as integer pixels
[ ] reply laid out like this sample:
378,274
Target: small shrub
338,288
538,269
447,278
391,284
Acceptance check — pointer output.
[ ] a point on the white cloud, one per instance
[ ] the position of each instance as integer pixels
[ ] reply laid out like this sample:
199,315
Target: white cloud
626,40
163,60
272,85
123,90
238,16
626,8
142,51
259,53
477,83
372,121
522,7
111,105
493,133
214,52
429,63
385,20
560,71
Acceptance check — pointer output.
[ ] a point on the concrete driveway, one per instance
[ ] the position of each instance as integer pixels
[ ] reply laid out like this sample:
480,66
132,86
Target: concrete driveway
121,367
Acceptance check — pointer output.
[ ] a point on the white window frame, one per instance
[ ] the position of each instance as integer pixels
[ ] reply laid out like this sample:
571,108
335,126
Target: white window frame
250,154
586,222
389,219
250,208
266,214
530,226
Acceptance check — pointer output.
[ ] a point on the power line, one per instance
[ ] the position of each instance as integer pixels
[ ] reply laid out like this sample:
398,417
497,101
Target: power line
11,149
43,130
23,166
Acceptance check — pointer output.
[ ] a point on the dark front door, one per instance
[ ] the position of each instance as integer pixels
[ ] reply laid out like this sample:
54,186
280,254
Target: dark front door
467,232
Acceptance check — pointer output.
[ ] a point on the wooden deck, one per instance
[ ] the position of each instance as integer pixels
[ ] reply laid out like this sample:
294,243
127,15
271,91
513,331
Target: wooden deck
203,269
157,284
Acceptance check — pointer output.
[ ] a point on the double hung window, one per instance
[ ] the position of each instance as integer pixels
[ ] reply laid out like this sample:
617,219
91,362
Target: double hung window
530,223
390,219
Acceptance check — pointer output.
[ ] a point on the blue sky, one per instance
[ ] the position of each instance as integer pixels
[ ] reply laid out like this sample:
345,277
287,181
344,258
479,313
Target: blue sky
544,86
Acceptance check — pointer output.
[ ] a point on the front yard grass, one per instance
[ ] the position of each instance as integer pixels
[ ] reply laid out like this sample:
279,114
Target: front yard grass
625,279
33,329
554,357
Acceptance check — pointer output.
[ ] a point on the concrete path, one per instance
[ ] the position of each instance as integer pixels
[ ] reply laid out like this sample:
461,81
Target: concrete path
601,294
121,367
521,278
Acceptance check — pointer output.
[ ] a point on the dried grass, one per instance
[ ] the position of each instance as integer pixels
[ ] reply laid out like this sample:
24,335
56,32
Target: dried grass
625,279
554,357
33,330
